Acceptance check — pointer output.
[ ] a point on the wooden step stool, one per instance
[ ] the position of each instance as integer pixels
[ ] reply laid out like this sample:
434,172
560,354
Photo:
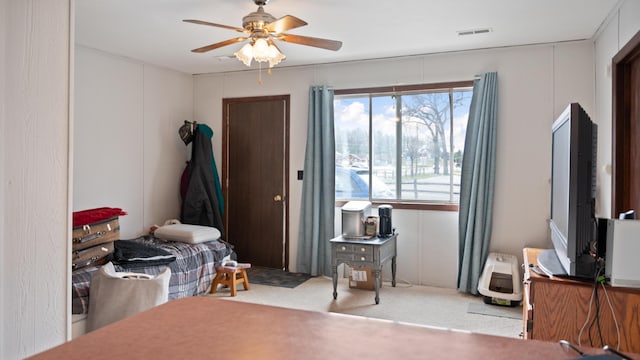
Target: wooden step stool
230,276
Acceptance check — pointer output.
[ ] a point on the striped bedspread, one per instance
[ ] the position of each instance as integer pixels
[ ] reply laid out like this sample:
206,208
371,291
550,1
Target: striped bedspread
191,273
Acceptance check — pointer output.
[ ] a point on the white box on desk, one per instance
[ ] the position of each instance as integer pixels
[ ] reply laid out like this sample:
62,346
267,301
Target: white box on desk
622,252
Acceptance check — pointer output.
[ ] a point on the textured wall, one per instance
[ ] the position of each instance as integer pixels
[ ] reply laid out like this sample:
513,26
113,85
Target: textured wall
3,32
127,152
620,28
34,265
535,83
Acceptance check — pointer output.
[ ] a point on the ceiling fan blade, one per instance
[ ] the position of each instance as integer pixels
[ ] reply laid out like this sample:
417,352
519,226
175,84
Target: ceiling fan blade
285,23
200,22
311,41
219,44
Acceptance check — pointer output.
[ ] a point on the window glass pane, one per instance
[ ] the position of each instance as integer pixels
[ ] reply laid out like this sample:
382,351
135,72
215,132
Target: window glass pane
416,145
461,104
425,146
384,120
351,117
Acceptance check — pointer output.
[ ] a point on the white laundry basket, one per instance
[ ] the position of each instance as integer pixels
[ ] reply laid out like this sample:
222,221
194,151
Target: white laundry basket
500,281
117,295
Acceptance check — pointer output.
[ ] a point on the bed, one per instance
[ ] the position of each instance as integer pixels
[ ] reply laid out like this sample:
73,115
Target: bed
191,273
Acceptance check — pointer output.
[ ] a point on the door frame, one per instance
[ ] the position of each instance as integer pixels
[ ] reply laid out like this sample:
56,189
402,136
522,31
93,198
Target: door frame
225,154
622,171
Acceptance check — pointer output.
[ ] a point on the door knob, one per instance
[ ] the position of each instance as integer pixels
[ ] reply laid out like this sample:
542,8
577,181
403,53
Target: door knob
277,198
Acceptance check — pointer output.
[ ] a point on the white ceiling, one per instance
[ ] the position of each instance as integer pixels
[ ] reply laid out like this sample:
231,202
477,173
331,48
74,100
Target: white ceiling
152,30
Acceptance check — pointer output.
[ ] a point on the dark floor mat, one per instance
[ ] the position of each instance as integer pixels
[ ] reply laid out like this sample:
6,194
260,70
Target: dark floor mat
275,277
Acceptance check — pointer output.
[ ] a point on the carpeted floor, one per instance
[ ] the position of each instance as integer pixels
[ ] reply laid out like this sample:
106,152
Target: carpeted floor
423,305
275,277
495,310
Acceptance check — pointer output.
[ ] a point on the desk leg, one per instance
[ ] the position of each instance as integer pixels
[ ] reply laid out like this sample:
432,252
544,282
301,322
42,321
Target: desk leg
377,285
393,271
334,275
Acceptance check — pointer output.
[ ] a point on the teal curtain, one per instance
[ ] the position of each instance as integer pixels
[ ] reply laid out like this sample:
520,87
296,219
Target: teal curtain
318,186
477,183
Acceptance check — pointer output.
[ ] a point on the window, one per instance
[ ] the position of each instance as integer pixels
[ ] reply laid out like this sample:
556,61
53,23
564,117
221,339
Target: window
401,144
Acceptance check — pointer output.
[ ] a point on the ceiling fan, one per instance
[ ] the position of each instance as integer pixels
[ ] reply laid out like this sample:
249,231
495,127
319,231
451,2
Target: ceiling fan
261,28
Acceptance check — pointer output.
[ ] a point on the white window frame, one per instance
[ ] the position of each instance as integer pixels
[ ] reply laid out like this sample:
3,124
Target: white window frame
405,90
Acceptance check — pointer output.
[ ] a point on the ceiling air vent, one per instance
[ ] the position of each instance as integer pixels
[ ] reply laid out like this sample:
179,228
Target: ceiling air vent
225,57
474,31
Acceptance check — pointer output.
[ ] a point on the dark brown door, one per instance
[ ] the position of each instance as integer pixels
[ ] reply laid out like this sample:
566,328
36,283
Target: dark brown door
255,169
626,129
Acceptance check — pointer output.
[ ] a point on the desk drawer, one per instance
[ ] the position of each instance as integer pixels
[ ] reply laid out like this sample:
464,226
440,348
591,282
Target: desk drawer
355,249
354,257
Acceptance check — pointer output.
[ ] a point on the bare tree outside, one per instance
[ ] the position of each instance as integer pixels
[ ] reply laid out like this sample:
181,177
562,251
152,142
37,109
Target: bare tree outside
433,111
411,146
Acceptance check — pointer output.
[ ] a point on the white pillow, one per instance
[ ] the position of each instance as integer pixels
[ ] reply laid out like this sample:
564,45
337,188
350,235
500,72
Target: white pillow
187,233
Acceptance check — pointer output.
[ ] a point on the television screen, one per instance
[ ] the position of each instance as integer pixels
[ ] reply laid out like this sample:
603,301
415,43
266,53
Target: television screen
561,139
572,223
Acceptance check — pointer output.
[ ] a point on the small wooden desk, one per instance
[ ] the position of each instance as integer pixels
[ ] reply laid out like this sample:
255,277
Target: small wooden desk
556,309
218,328
374,252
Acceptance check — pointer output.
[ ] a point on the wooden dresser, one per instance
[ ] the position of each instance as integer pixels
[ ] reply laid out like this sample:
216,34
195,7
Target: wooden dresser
556,309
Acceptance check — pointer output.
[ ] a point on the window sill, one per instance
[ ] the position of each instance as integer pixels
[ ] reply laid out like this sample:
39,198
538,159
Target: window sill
409,205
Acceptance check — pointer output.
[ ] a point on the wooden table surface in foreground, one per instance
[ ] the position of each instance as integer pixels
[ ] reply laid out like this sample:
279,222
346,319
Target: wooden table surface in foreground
210,328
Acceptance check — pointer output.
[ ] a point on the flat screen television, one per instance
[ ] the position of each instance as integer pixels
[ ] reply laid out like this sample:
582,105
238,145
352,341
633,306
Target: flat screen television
573,180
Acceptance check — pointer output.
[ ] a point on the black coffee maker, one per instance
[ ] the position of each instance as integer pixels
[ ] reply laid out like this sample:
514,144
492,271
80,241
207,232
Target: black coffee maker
384,214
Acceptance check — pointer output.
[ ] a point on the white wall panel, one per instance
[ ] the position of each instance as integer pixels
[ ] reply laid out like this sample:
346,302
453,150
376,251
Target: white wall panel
629,21
574,77
168,101
127,150
374,73
35,143
621,27
411,244
527,97
606,46
4,29
437,230
108,138
525,114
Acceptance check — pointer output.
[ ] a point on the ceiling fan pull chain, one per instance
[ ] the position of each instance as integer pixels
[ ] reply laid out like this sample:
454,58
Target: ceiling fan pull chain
260,73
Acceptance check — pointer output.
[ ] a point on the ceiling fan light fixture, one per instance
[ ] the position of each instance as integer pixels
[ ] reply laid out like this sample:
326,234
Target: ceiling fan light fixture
275,56
245,54
261,51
